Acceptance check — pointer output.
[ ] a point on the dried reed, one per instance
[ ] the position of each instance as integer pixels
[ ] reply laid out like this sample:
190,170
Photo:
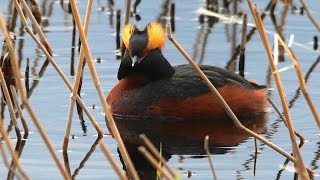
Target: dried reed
221,100
310,16
303,86
206,148
5,160
154,162
3,131
132,172
301,170
156,153
79,100
36,121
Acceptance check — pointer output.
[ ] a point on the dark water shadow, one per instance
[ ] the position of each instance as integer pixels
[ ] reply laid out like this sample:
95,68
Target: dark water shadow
181,137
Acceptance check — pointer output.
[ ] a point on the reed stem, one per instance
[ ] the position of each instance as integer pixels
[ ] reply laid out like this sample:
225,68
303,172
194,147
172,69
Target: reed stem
132,172
302,82
36,121
206,148
310,16
222,101
156,153
154,162
301,169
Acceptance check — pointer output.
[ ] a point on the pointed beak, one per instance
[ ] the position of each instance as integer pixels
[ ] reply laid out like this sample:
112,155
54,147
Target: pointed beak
134,60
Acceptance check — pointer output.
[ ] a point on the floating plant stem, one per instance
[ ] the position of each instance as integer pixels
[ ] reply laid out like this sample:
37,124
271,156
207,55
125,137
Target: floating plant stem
222,101
243,45
155,152
132,172
301,169
154,162
206,148
302,82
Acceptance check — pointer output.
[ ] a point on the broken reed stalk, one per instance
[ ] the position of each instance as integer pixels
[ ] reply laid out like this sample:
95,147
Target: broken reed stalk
26,77
79,100
14,155
206,148
156,153
76,84
302,82
301,169
126,21
10,105
243,45
35,119
154,162
310,16
222,101
128,163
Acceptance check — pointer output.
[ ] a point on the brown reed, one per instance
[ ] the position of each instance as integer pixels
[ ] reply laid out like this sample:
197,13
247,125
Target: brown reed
10,106
154,162
156,153
6,162
206,148
132,172
16,102
36,121
301,170
77,82
221,100
79,100
3,131
302,82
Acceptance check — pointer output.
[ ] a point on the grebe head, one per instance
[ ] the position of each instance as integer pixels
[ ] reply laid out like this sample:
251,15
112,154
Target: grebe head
140,42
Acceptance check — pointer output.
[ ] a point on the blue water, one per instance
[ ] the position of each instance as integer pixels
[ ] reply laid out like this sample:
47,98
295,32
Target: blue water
50,100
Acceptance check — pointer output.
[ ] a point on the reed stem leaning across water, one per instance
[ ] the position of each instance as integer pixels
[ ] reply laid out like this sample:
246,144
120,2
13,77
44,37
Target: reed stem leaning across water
24,98
4,133
301,169
302,82
128,163
222,101
46,50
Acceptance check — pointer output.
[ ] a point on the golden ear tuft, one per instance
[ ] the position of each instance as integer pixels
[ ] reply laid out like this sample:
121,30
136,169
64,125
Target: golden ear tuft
156,38
126,34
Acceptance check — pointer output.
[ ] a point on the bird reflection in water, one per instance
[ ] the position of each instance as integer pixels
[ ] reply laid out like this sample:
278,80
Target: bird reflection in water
183,137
